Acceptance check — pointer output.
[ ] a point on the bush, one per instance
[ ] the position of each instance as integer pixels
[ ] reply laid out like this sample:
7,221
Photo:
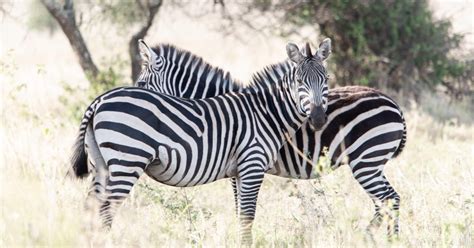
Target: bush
76,99
39,19
385,44
392,42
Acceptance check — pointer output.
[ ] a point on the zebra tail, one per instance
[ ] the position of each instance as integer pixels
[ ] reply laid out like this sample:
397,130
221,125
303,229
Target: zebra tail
404,137
79,156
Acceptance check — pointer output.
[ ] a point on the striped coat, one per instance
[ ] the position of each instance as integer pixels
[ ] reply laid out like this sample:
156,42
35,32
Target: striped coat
365,127
184,142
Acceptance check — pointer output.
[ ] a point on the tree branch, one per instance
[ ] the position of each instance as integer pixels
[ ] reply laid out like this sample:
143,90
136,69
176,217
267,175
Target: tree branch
66,18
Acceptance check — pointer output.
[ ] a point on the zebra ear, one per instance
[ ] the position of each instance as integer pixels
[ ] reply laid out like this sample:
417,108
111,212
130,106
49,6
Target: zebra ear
294,53
324,49
308,50
147,54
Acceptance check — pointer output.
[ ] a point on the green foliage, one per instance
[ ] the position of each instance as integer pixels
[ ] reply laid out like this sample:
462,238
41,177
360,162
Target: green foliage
76,99
379,43
323,166
398,39
123,14
39,19
8,67
106,80
178,207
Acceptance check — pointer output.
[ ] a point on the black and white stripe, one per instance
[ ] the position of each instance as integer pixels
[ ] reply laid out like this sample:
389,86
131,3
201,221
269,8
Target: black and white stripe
365,128
176,72
184,142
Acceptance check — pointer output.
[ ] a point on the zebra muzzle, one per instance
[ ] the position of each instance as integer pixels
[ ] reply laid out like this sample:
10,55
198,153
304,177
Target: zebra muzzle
317,117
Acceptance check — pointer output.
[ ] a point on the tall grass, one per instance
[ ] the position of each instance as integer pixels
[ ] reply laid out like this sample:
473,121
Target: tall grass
40,206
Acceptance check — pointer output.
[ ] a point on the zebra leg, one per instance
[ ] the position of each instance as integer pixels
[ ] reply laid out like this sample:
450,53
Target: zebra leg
121,179
384,196
378,217
233,181
93,188
248,183
97,190
100,177
98,168
96,197
392,204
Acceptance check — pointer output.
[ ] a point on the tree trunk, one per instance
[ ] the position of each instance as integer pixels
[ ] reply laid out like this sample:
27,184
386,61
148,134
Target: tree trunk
152,7
66,18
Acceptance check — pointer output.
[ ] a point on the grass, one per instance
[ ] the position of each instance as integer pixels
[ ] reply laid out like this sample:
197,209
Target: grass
41,207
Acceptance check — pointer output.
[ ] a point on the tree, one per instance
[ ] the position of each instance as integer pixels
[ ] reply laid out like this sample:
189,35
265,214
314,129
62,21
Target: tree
151,9
66,17
130,12
376,43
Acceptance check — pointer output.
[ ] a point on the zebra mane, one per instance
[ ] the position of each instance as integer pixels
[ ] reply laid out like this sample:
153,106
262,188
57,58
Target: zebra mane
270,75
172,53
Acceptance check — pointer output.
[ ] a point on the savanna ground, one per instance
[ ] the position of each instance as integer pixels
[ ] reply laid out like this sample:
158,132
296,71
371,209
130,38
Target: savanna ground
40,206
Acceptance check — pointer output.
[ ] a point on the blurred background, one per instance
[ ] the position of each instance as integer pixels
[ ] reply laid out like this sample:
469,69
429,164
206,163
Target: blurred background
57,55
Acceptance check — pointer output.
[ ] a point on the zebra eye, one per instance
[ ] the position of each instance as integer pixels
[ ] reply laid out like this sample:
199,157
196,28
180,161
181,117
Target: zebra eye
159,62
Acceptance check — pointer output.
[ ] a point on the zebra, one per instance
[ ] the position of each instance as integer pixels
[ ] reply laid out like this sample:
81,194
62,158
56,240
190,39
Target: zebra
184,142
365,128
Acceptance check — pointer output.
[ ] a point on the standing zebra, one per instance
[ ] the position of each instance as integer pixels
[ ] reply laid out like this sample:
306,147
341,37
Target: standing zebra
365,128
184,142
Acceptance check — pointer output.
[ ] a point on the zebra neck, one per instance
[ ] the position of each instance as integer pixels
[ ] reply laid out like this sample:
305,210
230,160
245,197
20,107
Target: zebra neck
280,110
275,85
188,75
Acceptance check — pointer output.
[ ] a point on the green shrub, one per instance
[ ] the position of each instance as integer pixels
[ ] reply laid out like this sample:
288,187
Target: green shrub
399,39
385,44
39,19
76,100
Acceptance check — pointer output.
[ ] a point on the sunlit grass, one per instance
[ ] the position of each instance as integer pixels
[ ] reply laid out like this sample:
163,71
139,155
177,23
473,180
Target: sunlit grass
40,206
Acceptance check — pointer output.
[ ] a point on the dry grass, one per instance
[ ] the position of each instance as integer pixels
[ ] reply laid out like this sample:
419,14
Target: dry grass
434,175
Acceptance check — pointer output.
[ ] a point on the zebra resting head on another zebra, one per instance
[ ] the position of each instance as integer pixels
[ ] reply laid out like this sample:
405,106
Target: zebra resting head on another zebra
162,72
365,128
182,142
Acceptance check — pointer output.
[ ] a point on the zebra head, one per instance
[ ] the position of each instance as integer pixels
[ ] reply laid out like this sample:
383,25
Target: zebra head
151,75
310,81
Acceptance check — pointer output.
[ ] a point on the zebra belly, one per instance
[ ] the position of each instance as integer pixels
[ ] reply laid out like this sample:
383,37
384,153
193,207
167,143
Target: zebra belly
172,168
